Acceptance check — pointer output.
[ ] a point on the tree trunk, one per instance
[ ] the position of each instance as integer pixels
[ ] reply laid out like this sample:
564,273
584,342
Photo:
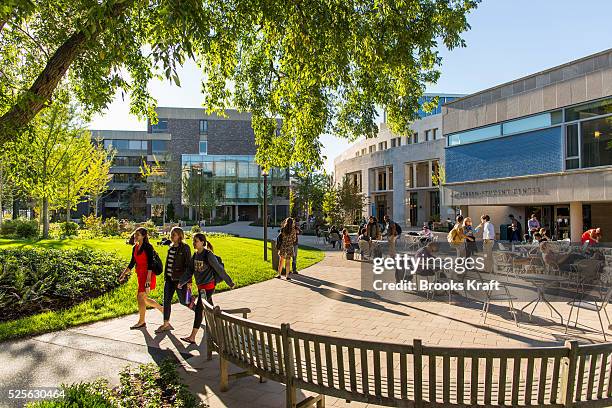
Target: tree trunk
96,202
15,208
30,102
45,217
68,215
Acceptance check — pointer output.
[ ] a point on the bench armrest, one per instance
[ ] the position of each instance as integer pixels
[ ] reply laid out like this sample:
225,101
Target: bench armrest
243,310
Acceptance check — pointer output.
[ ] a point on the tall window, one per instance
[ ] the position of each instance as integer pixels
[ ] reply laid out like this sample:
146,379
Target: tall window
204,147
434,134
203,126
159,146
572,153
372,148
393,142
160,127
596,146
415,137
382,180
427,135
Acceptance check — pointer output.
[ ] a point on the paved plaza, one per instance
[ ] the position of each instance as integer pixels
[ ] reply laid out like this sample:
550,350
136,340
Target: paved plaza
325,298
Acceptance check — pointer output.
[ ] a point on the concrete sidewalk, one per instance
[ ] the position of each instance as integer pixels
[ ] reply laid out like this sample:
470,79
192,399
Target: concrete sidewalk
325,298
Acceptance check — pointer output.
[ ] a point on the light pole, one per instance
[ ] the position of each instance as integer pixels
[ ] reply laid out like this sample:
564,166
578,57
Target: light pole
264,173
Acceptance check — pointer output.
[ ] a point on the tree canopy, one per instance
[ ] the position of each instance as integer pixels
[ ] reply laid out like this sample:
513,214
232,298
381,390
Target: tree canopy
319,65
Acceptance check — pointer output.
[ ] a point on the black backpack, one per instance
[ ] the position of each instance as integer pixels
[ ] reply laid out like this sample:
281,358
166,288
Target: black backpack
217,277
158,266
398,229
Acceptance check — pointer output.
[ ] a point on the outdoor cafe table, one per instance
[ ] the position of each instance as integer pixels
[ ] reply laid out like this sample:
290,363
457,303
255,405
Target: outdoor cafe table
541,283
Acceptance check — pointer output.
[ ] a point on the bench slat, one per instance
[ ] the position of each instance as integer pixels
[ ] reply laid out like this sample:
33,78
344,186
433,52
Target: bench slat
390,376
308,360
460,379
542,381
418,373
554,388
340,359
474,381
280,352
580,379
377,379
352,369
592,372
298,358
330,366
529,381
446,379
488,380
501,384
273,363
432,378
403,376
365,381
516,379
318,362
602,374
264,350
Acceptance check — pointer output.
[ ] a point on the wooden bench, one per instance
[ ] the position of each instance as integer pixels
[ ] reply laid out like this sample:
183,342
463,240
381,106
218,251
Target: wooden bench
411,375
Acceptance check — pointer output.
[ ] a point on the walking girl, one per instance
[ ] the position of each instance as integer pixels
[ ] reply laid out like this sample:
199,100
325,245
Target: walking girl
142,259
179,256
285,242
208,271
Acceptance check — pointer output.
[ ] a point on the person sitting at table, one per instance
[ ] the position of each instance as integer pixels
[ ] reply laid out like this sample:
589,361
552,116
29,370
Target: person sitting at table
592,235
334,236
427,252
538,238
365,244
545,234
425,235
346,239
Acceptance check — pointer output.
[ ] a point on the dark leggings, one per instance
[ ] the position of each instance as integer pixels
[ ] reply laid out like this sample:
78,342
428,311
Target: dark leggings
169,289
199,309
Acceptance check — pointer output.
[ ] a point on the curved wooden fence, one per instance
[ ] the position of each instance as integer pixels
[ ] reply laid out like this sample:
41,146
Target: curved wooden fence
411,375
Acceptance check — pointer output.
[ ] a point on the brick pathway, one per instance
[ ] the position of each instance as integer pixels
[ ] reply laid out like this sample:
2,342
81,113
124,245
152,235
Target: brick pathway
325,298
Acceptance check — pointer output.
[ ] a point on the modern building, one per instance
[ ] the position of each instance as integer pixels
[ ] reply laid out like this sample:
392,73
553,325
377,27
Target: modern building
540,144
188,143
396,173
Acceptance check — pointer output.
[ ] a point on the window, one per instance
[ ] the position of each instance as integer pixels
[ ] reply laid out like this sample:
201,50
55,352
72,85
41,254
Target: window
372,148
357,153
204,147
137,145
474,135
393,141
127,161
532,122
160,127
382,180
434,134
363,151
159,146
427,135
415,137
423,174
409,175
596,137
589,110
382,146
203,126
572,153
435,173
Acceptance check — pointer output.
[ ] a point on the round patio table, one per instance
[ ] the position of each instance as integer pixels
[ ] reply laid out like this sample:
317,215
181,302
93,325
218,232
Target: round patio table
541,283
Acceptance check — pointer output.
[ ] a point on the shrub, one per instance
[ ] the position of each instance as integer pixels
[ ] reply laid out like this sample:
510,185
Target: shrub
111,227
93,224
36,279
20,228
196,228
151,228
148,386
68,229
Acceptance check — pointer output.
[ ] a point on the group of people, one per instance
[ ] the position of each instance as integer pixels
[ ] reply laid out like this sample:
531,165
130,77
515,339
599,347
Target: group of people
180,269
462,237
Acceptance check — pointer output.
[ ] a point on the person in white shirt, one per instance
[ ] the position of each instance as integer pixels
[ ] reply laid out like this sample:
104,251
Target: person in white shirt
488,239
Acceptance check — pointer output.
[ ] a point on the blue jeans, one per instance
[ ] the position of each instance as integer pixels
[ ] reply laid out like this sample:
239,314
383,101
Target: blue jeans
294,261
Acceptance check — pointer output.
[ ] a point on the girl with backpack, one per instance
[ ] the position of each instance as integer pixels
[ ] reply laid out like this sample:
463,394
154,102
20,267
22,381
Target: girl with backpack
287,238
207,269
142,259
179,256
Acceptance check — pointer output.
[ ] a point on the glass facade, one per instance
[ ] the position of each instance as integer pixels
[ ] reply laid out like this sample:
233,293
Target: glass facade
438,109
160,127
239,176
511,127
159,146
123,144
596,145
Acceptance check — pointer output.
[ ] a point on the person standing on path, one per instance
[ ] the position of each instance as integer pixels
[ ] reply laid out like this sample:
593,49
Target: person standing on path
179,256
391,234
373,229
207,271
456,237
286,241
298,231
488,240
142,259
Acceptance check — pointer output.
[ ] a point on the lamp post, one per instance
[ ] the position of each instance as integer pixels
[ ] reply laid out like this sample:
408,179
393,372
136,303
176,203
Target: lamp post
264,173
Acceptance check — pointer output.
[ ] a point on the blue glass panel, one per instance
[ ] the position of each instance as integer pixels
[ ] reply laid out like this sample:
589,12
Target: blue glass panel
474,135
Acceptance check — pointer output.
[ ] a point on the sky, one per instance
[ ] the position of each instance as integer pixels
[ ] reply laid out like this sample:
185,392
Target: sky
508,39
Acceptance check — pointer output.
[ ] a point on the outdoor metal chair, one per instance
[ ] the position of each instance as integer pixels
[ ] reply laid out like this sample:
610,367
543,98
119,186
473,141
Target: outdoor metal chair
592,305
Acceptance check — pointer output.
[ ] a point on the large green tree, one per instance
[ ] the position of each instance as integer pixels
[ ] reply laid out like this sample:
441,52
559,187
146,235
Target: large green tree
307,192
319,65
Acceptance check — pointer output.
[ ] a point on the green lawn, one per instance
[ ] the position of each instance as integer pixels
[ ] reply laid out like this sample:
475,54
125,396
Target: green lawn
242,258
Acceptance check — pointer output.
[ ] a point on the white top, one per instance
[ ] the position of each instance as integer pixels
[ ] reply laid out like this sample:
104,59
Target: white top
488,230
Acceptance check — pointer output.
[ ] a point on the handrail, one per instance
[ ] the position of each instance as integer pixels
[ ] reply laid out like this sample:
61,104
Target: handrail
412,374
